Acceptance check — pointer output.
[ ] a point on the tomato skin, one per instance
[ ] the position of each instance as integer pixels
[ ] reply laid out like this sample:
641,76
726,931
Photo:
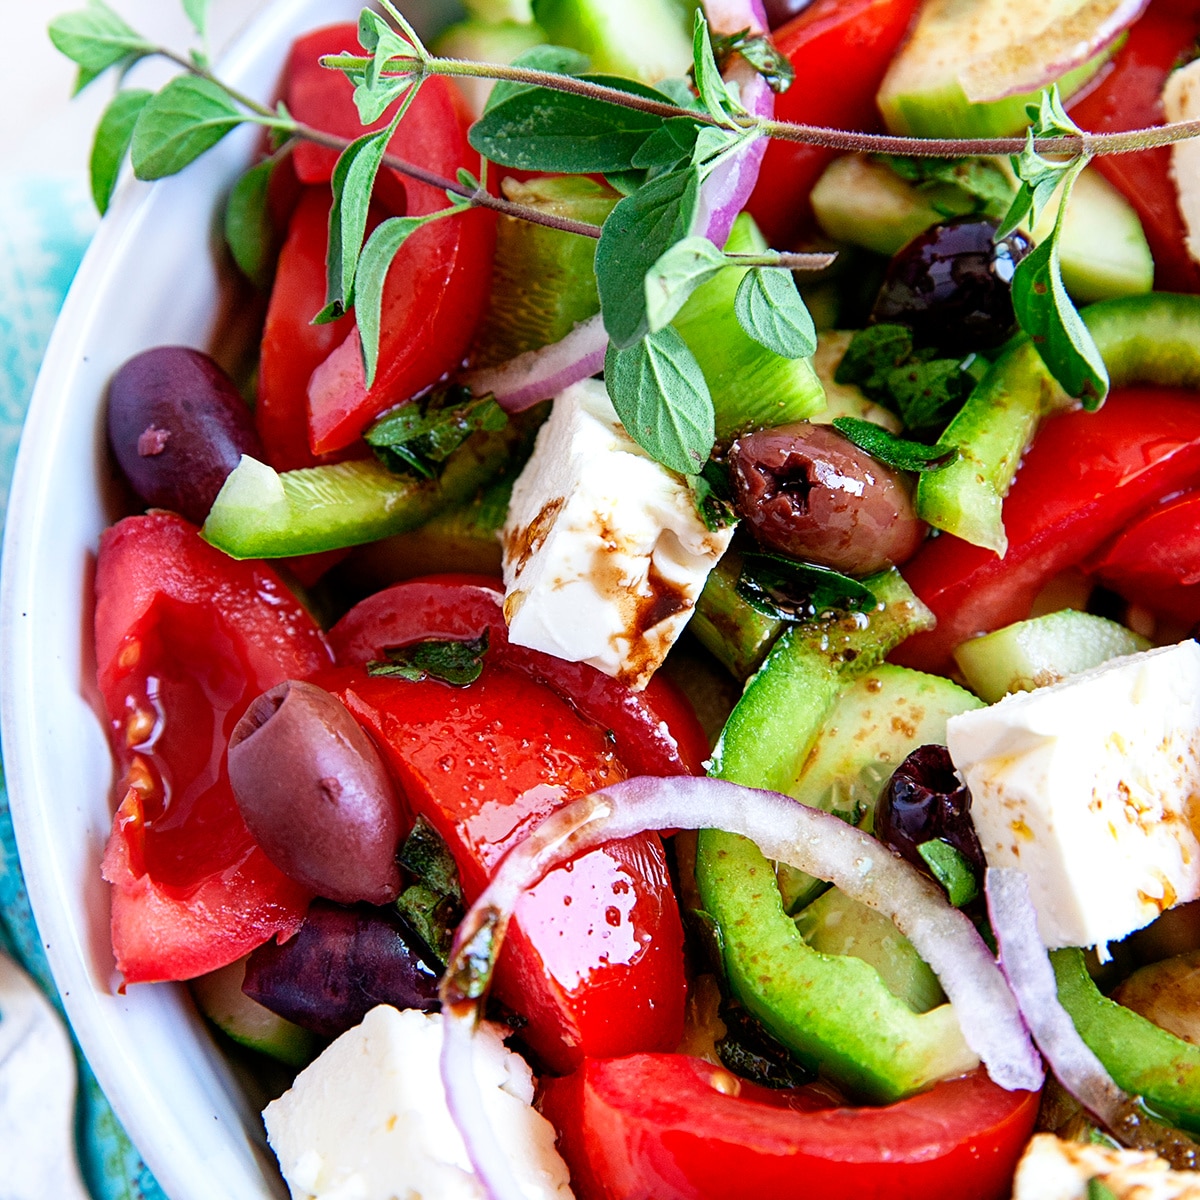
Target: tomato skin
594,956
664,1127
185,638
656,731
840,51
1129,96
1085,478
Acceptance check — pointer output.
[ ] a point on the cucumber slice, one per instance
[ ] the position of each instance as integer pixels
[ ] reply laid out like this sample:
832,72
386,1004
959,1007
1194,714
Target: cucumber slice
220,998
737,635
835,924
922,93
845,399
1041,651
642,39
497,40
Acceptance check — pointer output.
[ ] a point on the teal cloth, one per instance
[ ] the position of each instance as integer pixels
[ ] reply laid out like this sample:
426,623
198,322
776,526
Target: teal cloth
45,226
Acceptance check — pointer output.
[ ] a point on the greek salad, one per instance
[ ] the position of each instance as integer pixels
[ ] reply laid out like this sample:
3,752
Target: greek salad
667,668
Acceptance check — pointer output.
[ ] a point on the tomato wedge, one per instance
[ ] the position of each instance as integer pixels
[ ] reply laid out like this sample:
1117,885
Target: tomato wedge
671,1127
185,639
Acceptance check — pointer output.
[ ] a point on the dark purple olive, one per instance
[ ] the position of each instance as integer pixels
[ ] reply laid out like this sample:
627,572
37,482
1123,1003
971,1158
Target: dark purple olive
951,286
178,426
779,12
315,794
810,493
342,963
924,800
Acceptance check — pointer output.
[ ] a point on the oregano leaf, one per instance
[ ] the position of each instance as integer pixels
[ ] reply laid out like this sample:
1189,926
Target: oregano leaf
677,273
113,135
673,143
893,451
663,400
561,60
638,231
249,233
771,310
454,662
789,590
951,868
418,437
189,116
96,38
197,12
709,84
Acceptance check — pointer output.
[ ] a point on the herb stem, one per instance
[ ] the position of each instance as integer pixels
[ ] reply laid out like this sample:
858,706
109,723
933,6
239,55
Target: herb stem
790,262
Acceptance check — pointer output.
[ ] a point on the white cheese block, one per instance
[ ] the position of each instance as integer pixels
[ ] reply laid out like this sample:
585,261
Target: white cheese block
1092,788
1181,102
1052,1169
605,554
368,1119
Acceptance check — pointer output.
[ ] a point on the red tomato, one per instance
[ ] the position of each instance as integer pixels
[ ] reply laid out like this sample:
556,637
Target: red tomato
655,731
439,282
840,51
1085,478
1156,561
1128,96
594,957
670,1127
185,638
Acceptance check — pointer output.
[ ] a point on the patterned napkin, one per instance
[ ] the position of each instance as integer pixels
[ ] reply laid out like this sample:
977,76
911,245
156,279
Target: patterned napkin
45,225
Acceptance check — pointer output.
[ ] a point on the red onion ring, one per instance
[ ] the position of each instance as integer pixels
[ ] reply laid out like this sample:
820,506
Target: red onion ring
785,830
1026,966
1037,61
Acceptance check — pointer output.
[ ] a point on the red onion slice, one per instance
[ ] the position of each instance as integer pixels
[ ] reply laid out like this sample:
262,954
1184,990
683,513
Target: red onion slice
732,16
1064,44
785,830
1026,965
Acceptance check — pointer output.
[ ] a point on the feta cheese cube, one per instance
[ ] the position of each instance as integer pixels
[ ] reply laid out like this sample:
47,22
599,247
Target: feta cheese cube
604,552
368,1119
1053,1169
1092,788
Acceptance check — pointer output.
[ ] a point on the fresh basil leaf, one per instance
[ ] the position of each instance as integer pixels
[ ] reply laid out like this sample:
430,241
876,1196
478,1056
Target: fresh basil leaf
673,143
419,436
249,233
709,84
661,396
891,450
189,116
795,591
770,310
377,255
676,274
96,38
113,136
561,60
951,869
454,662
197,13
638,231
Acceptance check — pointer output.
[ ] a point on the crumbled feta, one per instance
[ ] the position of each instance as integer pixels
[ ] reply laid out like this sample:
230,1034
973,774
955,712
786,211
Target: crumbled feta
1092,788
604,552
368,1120
1181,102
1052,1169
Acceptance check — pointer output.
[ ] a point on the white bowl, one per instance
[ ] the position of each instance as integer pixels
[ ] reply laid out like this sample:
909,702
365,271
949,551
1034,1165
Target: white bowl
149,277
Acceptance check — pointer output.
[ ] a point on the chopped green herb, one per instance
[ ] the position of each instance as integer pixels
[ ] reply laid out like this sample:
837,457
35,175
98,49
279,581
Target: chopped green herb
1097,1189
417,438
951,870
795,591
432,906
760,54
713,495
891,450
981,183
455,662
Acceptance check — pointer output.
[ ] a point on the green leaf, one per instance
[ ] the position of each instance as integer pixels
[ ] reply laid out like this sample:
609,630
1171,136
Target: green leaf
249,233
713,93
1097,1189
891,450
1047,314
537,129
455,662
375,91
560,60
676,275
872,354
197,13
96,38
373,264
638,231
796,591
769,308
760,54
980,183
432,907
674,143
418,437
928,394
713,497
113,136
951,869
189,116
663,401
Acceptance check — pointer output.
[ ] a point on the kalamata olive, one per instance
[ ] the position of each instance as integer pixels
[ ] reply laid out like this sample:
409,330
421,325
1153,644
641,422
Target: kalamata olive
178,426
315,794
810,493
951,286
925,800
342,963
